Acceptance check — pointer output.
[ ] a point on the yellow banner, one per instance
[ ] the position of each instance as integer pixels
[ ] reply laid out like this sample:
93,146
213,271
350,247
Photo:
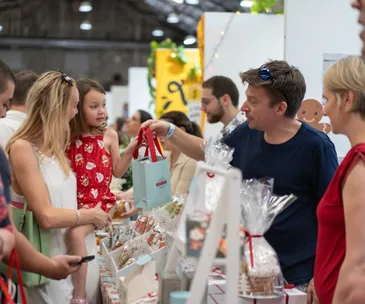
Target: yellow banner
175,90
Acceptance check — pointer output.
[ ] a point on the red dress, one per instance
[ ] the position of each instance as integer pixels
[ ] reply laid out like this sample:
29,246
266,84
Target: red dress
331,244
92,165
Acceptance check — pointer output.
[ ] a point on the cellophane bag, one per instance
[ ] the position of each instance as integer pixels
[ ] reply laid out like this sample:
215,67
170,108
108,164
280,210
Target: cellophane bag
261,276
218,155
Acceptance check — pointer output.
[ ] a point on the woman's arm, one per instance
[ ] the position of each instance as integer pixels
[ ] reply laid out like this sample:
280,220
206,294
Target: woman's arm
120,164
26,172
31,260
351,281
187,173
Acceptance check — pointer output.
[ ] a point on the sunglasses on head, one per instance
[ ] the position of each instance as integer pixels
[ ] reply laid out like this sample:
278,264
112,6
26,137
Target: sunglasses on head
265,74
66,78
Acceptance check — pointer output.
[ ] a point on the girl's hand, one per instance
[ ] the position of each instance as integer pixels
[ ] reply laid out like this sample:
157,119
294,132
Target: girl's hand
101,219
131,148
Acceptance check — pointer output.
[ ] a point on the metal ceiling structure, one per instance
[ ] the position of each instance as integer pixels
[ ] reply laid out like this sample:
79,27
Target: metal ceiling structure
128,22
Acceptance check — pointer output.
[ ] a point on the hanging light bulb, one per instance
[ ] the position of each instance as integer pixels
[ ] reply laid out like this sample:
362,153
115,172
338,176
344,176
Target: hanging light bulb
246,3
192,2
85,7
86,26
173,18
157,32
190,39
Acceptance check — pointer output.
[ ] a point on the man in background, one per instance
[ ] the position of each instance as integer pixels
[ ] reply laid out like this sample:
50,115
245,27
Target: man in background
220,99
17,109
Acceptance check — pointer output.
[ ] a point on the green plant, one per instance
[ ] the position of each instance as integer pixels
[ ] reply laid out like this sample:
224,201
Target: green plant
193,74
262,6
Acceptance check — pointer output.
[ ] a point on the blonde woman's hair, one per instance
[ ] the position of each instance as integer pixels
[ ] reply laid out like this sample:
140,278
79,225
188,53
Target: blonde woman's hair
348,74
48,108
78,124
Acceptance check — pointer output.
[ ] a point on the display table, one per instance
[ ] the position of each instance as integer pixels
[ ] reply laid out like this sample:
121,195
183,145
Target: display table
109,292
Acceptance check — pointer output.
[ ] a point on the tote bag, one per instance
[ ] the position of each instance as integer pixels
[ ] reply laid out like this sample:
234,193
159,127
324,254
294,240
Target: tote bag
151,174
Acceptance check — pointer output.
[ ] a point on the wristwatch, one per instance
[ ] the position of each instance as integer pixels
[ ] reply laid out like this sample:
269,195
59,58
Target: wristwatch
170,131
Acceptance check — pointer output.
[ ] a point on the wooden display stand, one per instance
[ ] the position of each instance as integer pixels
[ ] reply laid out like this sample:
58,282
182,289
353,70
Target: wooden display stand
228,212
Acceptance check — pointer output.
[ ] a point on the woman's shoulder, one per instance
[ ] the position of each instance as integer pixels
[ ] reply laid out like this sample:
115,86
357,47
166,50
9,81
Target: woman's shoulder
21,146
186,160
108,132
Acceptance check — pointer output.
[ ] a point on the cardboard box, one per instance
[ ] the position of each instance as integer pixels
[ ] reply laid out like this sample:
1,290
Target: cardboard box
140,282
158,256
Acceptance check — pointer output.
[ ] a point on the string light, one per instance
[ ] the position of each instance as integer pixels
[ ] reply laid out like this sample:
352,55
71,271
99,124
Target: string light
219,42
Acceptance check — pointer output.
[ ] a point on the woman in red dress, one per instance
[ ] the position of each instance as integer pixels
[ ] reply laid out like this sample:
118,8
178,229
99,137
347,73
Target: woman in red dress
339,275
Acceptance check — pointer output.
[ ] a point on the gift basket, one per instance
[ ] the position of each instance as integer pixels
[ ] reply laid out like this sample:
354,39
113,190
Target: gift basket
261,275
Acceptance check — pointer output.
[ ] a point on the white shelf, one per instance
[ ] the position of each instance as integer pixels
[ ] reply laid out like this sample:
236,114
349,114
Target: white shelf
225,213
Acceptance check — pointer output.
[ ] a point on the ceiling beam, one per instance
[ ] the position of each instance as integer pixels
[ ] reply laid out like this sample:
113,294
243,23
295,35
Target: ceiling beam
73,44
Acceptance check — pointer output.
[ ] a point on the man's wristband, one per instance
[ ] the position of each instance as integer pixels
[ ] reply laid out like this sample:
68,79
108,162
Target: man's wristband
171,131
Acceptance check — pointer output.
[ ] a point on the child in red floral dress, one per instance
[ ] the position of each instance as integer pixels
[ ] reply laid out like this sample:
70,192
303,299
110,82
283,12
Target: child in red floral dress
94,156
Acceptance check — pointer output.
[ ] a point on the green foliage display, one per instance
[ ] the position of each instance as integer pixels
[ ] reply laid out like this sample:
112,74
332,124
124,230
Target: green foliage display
262,6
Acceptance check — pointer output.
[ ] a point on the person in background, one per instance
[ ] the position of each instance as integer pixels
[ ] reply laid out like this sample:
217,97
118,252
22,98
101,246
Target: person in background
117,126
220,99
41,175
17,109
360,6
273,143
182,168
133,125
7,86
95,158
339,277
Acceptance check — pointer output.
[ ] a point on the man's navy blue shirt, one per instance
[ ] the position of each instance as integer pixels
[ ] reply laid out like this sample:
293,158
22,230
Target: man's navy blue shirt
303,166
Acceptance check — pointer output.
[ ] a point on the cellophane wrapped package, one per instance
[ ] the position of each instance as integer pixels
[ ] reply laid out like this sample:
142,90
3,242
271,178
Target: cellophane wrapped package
261,275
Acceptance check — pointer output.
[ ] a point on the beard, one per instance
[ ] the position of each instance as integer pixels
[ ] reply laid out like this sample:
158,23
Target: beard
216,117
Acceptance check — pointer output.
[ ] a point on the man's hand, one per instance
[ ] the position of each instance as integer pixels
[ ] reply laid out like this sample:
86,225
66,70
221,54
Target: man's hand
158,127
62,266
311,294
7,240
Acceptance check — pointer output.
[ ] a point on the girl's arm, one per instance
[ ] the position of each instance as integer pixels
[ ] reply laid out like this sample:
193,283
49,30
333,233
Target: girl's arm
119,164
26,175
350,284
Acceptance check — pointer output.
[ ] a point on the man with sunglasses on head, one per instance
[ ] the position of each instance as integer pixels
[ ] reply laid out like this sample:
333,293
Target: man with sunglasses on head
273,143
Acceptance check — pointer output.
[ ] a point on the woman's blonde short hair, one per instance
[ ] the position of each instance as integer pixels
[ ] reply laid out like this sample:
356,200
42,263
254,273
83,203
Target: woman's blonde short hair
348,74
48,108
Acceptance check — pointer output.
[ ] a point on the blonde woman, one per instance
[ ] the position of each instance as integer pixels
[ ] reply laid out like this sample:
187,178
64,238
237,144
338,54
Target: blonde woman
339,276
41,175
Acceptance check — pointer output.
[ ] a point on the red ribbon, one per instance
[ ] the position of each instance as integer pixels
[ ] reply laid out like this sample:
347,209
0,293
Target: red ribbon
145,134
249,240
15,260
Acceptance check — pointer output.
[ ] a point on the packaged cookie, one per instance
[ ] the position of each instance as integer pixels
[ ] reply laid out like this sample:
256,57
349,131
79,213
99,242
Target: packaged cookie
124,256
141,224
150,224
